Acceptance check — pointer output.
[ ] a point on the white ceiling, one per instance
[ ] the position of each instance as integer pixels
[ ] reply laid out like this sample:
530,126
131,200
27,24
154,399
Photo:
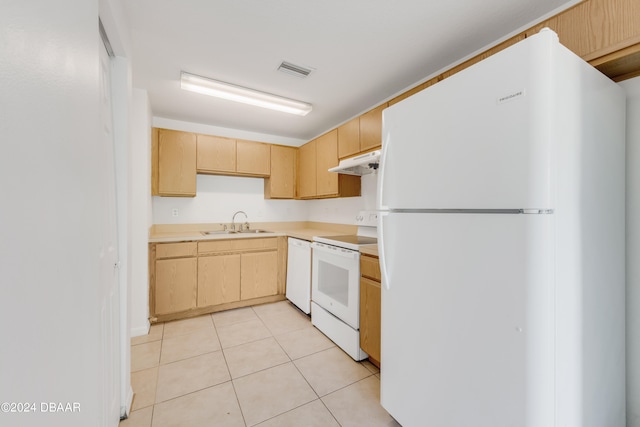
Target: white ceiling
363,52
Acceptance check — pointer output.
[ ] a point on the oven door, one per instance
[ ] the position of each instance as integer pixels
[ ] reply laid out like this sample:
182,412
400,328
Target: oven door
335,282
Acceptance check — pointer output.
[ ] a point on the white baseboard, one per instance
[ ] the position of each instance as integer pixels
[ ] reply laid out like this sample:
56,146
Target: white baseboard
139,331
126,410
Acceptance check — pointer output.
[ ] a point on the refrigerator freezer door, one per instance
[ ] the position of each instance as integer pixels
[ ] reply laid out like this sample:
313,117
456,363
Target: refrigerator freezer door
467,319
480,139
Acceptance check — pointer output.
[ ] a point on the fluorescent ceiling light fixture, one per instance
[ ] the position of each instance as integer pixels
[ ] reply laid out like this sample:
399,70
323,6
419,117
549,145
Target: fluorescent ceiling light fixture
231,92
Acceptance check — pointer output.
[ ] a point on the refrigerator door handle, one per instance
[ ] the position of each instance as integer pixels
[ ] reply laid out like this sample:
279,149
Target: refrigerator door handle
381,169
381,249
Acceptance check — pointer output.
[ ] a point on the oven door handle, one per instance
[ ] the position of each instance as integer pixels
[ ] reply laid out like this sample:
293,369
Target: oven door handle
335,250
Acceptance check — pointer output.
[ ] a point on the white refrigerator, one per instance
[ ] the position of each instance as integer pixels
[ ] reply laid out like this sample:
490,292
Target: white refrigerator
501,238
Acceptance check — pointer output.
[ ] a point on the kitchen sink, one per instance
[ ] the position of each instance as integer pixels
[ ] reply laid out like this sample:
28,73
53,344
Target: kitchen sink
249,231
208,233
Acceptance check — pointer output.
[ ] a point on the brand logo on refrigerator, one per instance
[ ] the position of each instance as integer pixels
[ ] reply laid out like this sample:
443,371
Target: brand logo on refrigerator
511,97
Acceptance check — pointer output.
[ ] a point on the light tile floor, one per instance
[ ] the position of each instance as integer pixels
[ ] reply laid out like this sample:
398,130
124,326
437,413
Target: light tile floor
261,366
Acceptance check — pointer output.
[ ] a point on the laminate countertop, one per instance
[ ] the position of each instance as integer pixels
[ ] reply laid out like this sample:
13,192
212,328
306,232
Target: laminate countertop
166,233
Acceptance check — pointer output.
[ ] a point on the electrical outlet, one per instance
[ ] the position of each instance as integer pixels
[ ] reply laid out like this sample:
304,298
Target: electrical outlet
174,212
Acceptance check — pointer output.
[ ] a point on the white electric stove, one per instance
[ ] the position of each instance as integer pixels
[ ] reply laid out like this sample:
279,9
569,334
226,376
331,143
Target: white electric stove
335,284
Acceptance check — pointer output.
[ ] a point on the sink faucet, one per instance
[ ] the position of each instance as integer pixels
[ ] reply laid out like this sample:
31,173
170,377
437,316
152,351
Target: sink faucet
233,220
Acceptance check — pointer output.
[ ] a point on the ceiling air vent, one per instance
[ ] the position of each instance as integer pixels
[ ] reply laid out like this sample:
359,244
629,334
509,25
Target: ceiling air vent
296,70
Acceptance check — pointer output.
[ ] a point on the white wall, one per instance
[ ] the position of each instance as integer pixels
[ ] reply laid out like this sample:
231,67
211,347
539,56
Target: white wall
343,210
218,197
633,251
49,232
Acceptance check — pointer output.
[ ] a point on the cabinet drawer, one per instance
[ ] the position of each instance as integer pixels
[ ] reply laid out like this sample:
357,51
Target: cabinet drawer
176,250
237,245
370,267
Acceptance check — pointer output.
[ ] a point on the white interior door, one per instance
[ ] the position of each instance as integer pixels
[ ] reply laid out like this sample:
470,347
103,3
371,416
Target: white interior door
109,292
467,319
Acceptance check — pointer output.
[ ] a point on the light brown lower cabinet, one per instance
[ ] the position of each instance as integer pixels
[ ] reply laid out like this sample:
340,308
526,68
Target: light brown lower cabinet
370,303
192,278
176,284
218,279
258,275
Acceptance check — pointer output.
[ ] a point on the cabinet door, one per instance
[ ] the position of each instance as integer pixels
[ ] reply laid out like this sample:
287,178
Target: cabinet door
216,154
349,138
371,128
176,163
327,157
281,182
218,279
253,158
259,274
175,285
370,317
307,170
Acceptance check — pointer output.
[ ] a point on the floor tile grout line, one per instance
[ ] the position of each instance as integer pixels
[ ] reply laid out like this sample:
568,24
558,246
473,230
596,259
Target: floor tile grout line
237,323
348,385
291,361
293,409
153,413
232,380
191,332
329,410
182,360
155,395
233,386
305,379
335,391
248,342
190,357
312,353
191,392
261,370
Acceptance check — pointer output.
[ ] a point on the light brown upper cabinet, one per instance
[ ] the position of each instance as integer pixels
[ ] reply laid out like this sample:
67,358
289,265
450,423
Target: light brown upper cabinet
281,182
253,158
361,134
371,128
307,170
349,138
314,180
227,156
216,154
174,161
327,157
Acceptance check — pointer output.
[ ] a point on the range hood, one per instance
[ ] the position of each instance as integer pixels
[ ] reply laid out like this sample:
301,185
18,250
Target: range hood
359,165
